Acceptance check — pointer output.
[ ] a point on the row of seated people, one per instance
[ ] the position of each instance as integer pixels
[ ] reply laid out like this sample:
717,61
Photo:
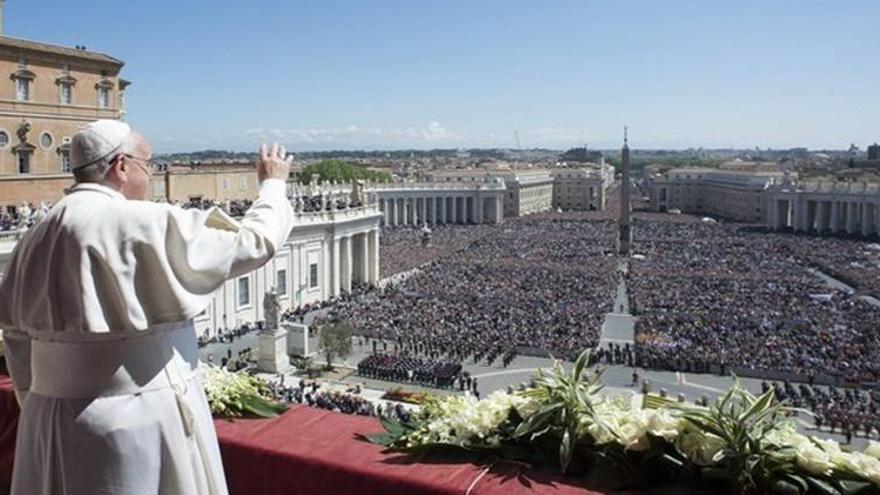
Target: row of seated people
846,410
403,368
348,402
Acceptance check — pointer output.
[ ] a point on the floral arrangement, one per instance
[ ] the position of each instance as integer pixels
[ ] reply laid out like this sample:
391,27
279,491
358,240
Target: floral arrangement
743,442
238,394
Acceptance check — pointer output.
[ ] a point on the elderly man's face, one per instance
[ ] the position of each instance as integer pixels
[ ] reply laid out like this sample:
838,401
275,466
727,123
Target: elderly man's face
138,170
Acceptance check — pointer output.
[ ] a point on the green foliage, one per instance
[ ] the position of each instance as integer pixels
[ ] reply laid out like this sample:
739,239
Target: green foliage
340,171
335,341
567,399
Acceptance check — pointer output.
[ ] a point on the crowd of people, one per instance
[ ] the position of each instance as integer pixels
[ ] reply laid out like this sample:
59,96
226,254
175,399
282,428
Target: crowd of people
350,401
403,368
530,285
849,411
23,216
710,294
401,248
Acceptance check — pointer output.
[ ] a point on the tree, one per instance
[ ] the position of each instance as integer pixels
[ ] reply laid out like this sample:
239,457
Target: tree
340,171
335,341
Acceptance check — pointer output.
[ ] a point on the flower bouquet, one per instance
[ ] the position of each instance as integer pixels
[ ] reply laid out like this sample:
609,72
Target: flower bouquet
237,395
742,443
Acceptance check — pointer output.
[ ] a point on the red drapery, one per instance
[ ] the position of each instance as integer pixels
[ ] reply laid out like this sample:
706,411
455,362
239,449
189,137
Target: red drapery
317,452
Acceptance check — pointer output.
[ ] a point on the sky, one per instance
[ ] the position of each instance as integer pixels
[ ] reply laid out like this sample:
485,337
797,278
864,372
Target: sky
370,74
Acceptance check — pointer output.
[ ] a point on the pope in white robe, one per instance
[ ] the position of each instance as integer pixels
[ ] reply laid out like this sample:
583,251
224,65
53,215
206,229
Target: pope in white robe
96,307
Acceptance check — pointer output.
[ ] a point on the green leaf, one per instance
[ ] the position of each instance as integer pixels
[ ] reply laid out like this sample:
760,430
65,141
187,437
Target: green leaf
854,487
261,407
822,486
566,447
706,427
759,405
580,364
785,487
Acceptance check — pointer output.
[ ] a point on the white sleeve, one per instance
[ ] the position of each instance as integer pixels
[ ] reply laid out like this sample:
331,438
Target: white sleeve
205,248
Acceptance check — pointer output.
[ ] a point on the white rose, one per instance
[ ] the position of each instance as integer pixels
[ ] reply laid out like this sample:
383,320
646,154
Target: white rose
703,449
873,449
830,446
633,436
662,424
813,459
868,467
527,407
602,435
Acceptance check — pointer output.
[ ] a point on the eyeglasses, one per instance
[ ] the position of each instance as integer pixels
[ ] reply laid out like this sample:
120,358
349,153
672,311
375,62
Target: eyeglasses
146,163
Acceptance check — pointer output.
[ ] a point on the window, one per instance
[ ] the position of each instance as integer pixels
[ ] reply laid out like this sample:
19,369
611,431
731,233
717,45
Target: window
104,97
242,183
46,140
22,89
4,139
244,291
313,275
65,93
281,282
24,162
64,155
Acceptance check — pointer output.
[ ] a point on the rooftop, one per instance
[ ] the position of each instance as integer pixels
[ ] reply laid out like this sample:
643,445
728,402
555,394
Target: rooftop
21,44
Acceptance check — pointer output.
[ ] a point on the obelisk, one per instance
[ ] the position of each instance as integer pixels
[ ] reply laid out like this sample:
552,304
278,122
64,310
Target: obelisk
625,237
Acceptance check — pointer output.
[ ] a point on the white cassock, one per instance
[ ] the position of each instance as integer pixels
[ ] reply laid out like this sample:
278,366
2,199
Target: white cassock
96,307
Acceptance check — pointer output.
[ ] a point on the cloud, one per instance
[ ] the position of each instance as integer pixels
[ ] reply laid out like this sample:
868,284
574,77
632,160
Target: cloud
353,135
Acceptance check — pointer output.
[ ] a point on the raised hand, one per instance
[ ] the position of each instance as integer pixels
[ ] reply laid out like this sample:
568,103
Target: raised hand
274,163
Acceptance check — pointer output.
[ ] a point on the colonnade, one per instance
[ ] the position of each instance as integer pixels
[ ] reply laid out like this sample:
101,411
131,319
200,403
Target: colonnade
857,214
440,209
355,260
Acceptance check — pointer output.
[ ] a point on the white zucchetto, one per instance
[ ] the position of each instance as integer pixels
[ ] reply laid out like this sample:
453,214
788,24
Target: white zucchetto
97,140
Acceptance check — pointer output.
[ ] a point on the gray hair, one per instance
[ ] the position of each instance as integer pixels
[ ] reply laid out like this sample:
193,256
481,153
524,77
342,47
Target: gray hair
97,171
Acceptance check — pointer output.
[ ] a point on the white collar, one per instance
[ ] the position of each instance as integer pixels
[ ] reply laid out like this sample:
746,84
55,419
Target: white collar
93,186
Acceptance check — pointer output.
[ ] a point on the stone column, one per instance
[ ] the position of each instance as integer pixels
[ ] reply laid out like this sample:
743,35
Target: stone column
479,208
336,270
346,264
867,219
363,262
454,209
799,214
443,206
835,216
373,256
850,218
772,216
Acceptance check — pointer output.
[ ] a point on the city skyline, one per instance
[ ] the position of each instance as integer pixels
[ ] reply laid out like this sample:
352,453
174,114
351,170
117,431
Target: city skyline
399,76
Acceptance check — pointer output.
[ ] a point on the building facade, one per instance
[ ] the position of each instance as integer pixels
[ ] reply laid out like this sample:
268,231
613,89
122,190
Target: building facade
582,188
227,182
732,194
50,91
526,190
